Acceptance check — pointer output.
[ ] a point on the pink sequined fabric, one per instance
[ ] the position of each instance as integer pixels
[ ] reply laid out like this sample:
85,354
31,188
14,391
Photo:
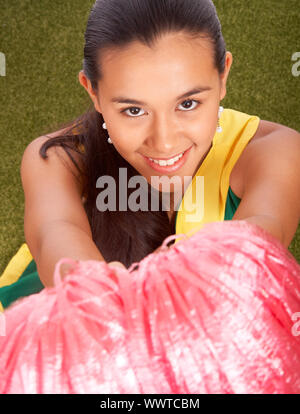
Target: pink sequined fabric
215,313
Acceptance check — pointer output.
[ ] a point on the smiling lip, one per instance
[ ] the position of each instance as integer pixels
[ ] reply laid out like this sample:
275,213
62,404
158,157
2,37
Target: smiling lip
168,168
166,159
169,158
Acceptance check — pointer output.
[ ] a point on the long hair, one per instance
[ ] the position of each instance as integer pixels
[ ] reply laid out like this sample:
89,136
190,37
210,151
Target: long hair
128,236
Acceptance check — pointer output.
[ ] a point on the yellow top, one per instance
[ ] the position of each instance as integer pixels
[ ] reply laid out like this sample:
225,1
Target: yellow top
211,181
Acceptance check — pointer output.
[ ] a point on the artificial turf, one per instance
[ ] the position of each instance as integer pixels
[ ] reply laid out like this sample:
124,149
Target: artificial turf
43,45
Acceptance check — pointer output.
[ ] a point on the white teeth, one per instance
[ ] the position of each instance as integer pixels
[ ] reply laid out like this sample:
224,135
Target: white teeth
163,163
171,162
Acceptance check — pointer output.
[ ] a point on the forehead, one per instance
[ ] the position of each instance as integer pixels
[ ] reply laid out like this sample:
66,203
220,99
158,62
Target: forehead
175,59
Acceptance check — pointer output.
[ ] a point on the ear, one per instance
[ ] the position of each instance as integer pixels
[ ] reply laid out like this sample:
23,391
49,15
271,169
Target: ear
224,76
86,83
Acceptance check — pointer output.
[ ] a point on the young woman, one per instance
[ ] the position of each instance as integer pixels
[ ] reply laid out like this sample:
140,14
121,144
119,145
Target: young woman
156,73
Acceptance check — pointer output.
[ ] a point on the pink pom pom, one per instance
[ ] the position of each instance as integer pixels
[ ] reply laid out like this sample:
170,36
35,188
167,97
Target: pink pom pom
215,313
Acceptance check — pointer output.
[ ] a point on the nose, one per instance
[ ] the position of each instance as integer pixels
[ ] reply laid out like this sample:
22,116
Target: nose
164,138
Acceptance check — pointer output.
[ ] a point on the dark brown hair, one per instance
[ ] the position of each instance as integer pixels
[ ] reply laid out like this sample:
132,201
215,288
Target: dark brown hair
128,236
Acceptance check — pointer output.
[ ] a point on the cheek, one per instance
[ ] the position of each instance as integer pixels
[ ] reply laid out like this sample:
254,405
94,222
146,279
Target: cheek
122,132
125,136
125,144
208,126
204,133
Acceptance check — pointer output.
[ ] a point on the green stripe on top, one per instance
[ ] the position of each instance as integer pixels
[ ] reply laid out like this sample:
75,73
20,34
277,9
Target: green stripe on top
232,204
28,283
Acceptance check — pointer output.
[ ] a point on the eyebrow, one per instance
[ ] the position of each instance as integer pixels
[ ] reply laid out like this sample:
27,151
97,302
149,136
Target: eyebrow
199,89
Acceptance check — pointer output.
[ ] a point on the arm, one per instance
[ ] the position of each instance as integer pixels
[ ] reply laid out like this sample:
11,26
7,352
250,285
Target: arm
63,239
271,184
271,224
55,222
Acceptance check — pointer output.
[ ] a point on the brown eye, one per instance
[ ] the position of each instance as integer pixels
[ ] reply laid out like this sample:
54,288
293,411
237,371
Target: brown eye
134,111
189,106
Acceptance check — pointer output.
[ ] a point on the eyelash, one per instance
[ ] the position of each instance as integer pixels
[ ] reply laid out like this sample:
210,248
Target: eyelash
138,116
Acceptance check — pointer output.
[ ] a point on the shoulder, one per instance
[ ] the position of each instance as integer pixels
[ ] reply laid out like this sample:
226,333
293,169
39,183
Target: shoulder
265,128
56,151
56,158
271,139
270,174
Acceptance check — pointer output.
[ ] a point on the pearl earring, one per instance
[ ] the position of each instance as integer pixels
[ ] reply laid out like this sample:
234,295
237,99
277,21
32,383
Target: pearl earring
219,128
104,127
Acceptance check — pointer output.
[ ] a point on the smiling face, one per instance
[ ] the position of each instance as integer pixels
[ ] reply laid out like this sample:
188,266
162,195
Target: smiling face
161,102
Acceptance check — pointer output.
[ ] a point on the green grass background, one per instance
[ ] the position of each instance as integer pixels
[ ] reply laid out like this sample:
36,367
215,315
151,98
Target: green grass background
43,42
